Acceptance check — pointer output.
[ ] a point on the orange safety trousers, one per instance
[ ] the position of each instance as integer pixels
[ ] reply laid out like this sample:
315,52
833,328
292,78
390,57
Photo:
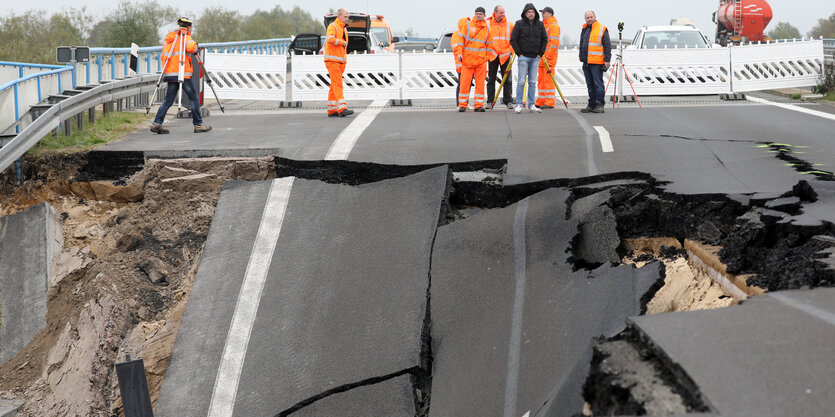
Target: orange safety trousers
467,73
545,88
336,98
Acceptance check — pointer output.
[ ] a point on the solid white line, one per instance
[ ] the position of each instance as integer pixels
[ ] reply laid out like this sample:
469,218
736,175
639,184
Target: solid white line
605,140
514,347
804,306
793,107
231,363
341,147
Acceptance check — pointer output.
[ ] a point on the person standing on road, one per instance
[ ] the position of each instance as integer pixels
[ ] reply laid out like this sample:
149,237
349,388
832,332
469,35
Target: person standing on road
336,56
596,55
171,55
546,89
529,41
500,29
473,52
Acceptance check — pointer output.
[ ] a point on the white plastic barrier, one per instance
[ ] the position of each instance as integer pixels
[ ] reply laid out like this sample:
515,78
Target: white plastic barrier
777,65
244,76
413,75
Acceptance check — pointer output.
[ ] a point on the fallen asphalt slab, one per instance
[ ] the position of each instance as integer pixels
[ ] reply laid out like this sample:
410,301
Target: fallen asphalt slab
771,356
512,324
342,299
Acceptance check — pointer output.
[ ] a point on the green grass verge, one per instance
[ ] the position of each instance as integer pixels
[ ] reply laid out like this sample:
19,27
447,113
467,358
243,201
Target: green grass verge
830,96
796,96
107,129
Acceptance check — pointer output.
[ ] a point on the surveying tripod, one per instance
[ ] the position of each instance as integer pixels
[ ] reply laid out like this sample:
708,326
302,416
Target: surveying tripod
619,68
180,40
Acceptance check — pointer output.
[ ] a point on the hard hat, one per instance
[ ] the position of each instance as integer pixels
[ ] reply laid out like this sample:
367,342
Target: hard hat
184,21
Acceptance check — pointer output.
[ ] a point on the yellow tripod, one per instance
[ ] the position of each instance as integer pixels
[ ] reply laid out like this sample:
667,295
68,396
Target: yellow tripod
504,78
551,73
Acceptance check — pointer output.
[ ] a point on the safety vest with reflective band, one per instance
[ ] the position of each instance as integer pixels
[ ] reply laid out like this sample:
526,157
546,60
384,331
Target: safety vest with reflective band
477,44
336,42
172,53
552,28
500,31
596,50
457,42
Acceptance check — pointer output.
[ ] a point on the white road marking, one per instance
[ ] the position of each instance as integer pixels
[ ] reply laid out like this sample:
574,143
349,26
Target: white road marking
229,372
804,306
793,107
590,153
605,140
513,350
344,143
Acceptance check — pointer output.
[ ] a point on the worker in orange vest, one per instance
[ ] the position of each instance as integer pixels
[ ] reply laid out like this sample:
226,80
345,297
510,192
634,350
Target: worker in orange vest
457,41
596,55
336,56
546,89
171,56
500,29
474,52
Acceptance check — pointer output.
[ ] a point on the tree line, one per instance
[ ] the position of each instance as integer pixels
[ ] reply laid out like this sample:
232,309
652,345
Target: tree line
32,36
824,28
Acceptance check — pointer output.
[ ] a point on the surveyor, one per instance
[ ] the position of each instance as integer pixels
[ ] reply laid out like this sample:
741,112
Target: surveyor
529,41
474,53
336,56
173,55
500,29
546,90
596,55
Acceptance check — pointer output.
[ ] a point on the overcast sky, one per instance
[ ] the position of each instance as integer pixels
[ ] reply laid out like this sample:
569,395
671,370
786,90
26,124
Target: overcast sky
429,17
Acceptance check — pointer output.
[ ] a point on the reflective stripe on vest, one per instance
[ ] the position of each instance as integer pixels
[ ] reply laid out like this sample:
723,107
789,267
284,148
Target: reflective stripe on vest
337,58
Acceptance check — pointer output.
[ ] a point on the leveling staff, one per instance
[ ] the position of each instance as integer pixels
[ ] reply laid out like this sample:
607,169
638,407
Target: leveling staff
173,56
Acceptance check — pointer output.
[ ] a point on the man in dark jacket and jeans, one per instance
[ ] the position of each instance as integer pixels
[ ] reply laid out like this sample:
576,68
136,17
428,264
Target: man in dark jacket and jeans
596,54
529,40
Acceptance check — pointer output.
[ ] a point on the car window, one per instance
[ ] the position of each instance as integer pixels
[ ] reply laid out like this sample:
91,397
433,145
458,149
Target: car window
381,32
673,39
446,43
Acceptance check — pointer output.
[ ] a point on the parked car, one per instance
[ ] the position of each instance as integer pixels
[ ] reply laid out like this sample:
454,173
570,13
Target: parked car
360,37
651,37
444,43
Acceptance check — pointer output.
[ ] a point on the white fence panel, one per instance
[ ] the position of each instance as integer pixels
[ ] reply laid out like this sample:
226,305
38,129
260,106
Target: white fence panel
777,65
569,74
367,76
429,75
245,76
656,72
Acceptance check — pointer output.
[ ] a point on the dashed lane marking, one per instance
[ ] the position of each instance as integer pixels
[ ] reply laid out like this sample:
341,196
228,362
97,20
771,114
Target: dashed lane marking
605,140
237,339
344,143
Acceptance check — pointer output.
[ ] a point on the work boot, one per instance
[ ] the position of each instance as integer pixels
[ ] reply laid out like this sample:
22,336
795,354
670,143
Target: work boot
158,129
546,107
510,105
479,110
346,112
588,109
598,109
202,128
462,109
334,114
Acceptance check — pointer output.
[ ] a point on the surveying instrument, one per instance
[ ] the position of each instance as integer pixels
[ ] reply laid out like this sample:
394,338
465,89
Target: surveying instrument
178,47
619,68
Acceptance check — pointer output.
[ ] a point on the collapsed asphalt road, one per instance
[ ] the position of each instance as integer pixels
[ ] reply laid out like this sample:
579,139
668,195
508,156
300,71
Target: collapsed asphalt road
412,293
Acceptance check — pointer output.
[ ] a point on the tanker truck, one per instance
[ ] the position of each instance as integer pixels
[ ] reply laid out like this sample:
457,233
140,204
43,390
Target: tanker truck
741,21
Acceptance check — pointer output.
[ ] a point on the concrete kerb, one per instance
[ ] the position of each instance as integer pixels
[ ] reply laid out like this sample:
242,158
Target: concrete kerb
805,95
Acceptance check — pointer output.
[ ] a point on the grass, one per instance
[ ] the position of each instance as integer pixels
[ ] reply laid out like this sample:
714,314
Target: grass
107,129
830,96
796,96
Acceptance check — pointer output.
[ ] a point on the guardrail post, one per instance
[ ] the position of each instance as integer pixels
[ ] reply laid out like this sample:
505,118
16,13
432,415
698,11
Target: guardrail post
98,61
400,72
113,66
731,68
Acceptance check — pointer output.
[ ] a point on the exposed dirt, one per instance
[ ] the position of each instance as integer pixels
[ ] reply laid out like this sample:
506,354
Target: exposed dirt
132,246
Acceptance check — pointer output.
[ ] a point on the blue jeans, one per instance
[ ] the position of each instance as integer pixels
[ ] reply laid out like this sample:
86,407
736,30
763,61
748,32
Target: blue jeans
594,83
528,67
171,95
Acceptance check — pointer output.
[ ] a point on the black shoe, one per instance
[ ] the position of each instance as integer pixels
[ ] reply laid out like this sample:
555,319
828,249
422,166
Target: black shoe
333,114
346,112
158,129
546,107
586,110
479,110
462,109
598,109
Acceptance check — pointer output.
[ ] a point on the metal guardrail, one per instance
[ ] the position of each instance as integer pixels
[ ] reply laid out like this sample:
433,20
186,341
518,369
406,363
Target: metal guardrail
66,109
35,82
829,50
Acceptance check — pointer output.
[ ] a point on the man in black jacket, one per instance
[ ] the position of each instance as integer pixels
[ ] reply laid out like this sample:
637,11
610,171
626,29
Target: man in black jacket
529,40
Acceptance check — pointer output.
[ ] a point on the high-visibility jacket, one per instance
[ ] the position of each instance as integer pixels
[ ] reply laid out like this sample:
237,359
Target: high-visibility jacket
171,53
457,42
336,43
553,30
596,50
500,31
476,47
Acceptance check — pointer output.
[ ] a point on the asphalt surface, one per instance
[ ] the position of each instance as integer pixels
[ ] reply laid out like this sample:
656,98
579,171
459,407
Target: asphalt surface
27,245
342,300
771,356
